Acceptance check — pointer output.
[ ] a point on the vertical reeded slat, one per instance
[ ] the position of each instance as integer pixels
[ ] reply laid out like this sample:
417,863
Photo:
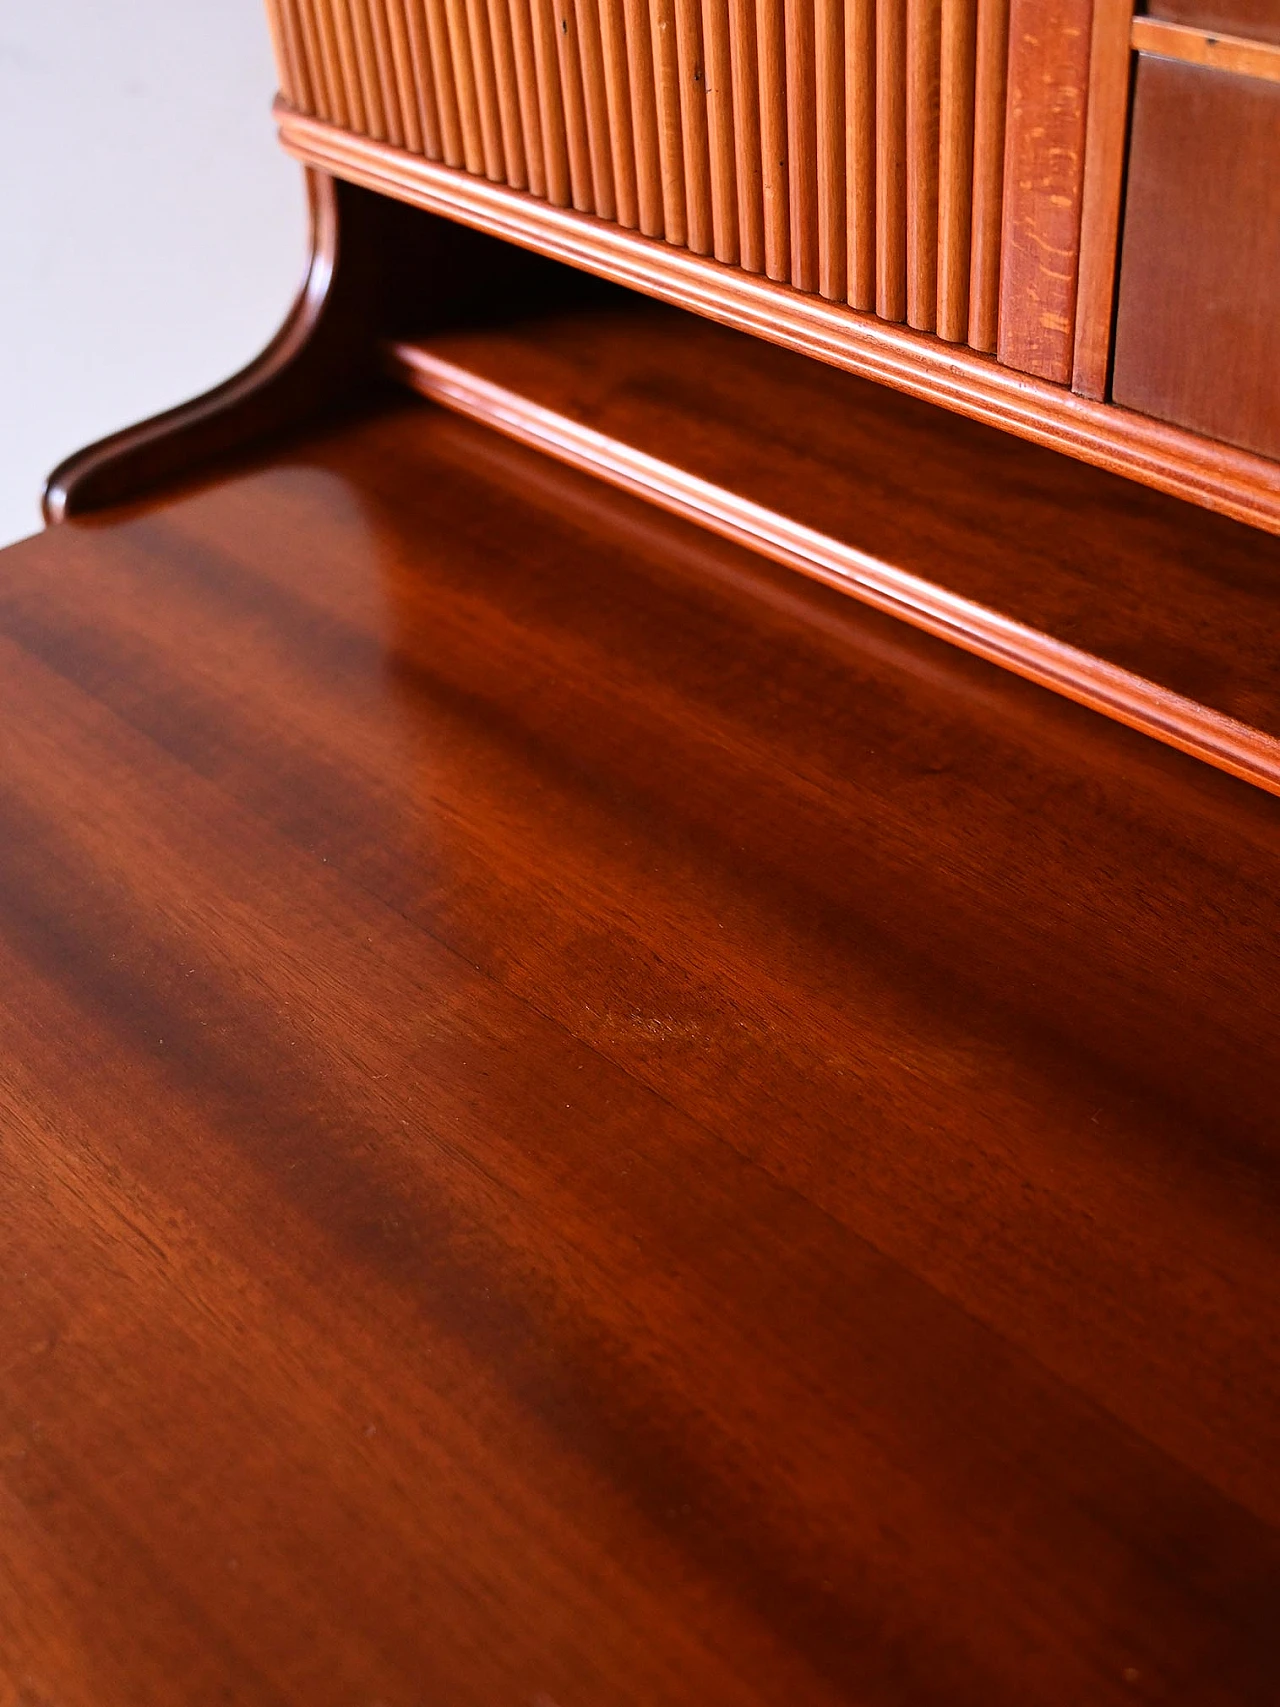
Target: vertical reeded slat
666,72
424,85
446,89
353,95
313,50
550,102
693,126
387,84
334,90
596,99
464,82
367,66
504,66
644,116
1104,151
717,62
989,92
891,159
535,158
746,134
924,44
832,142
482,65
299,28
406,80
1045,118
613,49
828,20
802,144
860,149
288,71
575,109
955,167
772,62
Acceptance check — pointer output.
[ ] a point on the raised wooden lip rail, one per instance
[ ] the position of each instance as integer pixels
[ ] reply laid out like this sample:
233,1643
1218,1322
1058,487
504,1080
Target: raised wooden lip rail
1215,475
1144,705
1213,49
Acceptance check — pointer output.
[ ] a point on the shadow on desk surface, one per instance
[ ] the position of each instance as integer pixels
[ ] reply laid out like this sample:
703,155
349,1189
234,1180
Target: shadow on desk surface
586,1122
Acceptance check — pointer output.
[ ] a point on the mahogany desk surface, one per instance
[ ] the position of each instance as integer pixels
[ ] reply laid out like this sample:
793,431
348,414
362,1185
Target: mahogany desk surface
585,1123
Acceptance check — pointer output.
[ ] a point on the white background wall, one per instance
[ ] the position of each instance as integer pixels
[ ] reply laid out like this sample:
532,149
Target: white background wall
151,230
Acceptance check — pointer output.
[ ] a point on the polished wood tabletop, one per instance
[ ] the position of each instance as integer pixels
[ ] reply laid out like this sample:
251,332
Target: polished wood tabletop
588,1122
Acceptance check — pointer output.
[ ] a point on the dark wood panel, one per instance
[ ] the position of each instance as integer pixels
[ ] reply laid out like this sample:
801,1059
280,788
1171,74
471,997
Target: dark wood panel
1257,18
1187,600
1198,326
586,1122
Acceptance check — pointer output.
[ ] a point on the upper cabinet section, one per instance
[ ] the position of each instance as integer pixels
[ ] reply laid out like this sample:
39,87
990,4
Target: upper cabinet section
929,192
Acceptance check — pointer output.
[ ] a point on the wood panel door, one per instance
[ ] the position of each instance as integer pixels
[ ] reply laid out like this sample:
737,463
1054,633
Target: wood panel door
1198,325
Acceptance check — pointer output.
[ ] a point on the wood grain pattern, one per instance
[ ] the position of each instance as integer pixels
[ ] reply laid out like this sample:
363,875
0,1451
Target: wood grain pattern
323,102
563,1085
405,67
693,126
526,62
446,92
284,48
1043,185
891,159
1198,321
771,57
832,143
577,140
955,166
612,393
464,83
860,157
551,113
486,83
666,77
799,138
348,65
990,87
1106,136
1217,52
385,69
331,87
426,84
303,43
376,122
802,143
924,32
718,62
613,48
644,118
596,98
746,134
1233,481
507,89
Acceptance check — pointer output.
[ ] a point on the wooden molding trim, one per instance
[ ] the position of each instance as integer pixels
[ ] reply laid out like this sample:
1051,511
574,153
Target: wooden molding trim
1217,476
1116,693
1209,48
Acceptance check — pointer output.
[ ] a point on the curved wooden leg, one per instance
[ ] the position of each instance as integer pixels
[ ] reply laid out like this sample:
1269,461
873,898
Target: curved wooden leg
325,349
